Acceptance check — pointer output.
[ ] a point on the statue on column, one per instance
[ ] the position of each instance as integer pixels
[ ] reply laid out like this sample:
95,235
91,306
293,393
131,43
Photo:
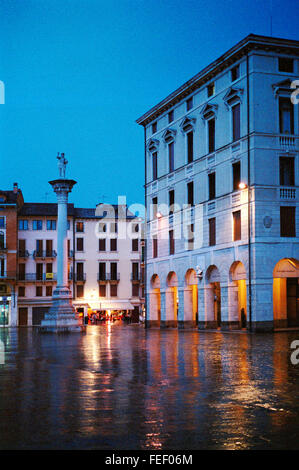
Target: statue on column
62,162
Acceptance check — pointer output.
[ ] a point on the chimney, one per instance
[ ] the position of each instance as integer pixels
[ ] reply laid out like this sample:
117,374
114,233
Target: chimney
15,188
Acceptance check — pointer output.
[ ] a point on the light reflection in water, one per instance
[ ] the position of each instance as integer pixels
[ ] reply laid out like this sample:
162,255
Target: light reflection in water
123,387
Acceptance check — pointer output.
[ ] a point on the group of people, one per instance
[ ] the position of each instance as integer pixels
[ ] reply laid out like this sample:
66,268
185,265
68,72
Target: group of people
96,317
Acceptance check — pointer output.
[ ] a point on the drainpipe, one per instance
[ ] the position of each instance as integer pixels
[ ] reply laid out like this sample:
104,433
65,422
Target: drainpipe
249,196
145,232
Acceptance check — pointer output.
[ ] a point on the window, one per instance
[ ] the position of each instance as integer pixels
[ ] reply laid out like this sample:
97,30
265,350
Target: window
68,225
191,237
135,290
211,135
237,225
171,156
22,247
212,231
102,228
236,122
79,227
155,206
135,271
23,224
22,273
113,271
286,116
113,244
102,272
113,290
211,89
102,290
49,247
21,291
2,222
190,193
39,291
113,227
135,244
212,185
155,246
39,271
2,240
235,73
37,225
288,221
189,103
39,247
286,171
49,290
236,175
51,224
80,290
155,167
171,201
154,127
80,244
285,65
170,116
80,272
171,242
190,147
102,244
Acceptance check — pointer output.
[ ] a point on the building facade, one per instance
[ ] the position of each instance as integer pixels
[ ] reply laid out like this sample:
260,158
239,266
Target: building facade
222,176
104,276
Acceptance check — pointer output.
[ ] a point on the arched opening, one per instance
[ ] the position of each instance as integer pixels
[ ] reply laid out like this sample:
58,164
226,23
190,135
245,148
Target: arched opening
155,301
286,293
238,296
191,298
171,300
213,298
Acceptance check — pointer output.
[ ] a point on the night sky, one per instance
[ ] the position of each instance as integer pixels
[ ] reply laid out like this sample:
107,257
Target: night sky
78,73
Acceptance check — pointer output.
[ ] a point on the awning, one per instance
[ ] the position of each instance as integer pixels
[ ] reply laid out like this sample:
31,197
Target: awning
106,305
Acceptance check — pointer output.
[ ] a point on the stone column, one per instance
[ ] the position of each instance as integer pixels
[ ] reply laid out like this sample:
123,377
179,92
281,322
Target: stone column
61,316
181,310
201,307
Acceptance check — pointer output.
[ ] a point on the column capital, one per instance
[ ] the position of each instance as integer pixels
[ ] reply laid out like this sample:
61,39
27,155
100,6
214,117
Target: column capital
62,187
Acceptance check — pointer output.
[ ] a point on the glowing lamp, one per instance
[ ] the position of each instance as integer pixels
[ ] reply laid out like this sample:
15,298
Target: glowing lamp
242,186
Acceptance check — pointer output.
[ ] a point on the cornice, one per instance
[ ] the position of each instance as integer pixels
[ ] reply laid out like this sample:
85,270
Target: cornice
251,42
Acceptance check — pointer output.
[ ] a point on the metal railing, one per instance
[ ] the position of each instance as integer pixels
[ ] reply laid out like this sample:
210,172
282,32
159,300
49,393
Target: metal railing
23,254
36,277
44,254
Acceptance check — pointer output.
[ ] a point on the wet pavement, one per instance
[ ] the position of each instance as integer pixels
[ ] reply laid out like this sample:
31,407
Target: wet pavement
122,387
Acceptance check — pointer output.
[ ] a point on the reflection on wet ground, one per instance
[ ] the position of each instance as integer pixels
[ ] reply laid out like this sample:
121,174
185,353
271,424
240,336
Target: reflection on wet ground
123,387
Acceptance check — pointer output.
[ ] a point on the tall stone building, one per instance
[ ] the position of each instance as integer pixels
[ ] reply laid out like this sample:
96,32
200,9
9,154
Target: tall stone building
221,189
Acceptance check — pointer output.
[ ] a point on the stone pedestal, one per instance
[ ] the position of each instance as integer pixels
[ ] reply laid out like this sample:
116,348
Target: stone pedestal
61,316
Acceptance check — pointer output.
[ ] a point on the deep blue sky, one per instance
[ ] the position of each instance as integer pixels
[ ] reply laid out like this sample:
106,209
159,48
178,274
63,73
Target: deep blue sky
78,73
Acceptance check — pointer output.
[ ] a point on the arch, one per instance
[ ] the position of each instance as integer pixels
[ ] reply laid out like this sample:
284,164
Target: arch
286,293
155,301
237,295
171,300
212,274
191,298
172,279
155,282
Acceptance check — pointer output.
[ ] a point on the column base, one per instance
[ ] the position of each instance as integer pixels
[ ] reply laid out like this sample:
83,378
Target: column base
61,316
152,324
262,326
230,325
186,324
168,324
